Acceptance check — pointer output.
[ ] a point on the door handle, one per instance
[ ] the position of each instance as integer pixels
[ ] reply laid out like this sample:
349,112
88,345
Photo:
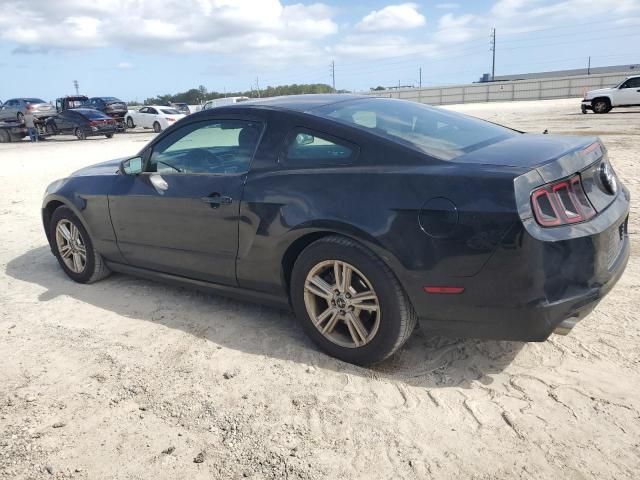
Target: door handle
216,200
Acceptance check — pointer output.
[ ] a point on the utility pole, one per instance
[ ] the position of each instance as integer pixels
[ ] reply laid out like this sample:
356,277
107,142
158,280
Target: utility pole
493,49
258,87
76,86
420,85
333,75
589,66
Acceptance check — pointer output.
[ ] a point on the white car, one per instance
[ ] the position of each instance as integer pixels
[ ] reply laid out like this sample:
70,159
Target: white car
625,94
153,116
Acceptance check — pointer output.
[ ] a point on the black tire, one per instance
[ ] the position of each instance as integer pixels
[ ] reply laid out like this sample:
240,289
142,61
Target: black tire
20,117
601,105
51,128
80,134
583,109
397,319
130,123
5,137
109,135
95,268
156,127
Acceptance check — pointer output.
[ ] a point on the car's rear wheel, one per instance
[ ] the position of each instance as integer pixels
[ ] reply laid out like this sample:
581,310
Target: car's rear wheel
156,127
80,134
109,135
601,106
73,248
349,302
130,123
5,137
51,128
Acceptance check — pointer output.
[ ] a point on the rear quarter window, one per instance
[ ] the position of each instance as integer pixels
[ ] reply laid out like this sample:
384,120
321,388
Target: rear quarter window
309,148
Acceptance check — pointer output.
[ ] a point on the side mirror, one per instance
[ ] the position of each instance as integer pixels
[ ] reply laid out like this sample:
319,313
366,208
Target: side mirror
131,166
304,139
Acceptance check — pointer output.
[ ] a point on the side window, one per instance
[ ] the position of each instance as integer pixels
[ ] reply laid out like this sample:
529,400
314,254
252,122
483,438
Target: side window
213,146
309,148
143,110
152,111
633,83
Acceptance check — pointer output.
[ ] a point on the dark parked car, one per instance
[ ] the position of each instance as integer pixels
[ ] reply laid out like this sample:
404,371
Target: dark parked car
14,109
111,106
362,214
81,122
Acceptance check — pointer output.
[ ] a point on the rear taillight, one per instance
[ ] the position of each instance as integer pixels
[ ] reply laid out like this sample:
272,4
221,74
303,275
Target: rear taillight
171,119
561,203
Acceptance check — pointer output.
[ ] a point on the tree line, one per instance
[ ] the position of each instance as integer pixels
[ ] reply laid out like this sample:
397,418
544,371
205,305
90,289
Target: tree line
196,96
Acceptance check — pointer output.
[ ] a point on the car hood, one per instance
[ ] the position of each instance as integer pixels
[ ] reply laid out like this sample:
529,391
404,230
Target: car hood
599,91
526,150
109,167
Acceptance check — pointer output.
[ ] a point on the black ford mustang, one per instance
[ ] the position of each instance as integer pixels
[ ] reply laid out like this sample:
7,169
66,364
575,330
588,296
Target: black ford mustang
362,214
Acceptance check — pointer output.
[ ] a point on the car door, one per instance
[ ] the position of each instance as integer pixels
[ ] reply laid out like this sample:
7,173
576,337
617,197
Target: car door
181,214
61,122
145,117
152,117
629,92
9,111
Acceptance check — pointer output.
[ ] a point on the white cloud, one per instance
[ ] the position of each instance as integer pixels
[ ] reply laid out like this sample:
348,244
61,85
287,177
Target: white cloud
125,66
455,28
448,6
404,16
249,27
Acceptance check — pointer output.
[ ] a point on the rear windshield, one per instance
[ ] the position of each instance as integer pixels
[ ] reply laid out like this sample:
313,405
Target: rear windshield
170,111
33,100
93,114
436,132
112,99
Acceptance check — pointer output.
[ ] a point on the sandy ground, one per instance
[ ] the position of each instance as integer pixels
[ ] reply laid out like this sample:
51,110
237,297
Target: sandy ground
129,379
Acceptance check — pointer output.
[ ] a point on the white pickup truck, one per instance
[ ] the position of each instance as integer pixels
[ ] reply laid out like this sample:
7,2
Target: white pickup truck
625,94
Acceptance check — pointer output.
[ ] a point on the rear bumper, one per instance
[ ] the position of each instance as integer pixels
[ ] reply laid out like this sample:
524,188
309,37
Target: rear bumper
529,287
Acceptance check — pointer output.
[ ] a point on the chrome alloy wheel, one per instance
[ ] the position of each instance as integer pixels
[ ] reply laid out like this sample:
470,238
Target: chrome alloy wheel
342,304
71,246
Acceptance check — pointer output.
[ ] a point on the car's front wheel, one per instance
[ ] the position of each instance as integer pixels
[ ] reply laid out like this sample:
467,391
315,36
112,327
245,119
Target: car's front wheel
80,134
109,135
73,248
349,302
130,122
601,106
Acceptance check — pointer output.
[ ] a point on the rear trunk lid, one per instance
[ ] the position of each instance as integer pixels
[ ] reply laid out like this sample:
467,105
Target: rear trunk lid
526,150
548,158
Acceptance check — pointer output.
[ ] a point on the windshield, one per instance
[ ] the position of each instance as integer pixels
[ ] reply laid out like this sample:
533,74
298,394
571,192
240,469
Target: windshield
170,111
436,132
33,100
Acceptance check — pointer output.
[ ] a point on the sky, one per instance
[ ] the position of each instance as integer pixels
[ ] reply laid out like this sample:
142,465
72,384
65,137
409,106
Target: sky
135,49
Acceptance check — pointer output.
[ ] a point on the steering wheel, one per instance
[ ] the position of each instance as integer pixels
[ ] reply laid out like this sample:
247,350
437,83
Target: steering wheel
201,160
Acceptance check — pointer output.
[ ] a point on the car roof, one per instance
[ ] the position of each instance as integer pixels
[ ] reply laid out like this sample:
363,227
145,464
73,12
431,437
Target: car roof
300,103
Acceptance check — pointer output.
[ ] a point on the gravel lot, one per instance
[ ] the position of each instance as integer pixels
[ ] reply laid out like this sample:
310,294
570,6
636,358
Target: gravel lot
129,379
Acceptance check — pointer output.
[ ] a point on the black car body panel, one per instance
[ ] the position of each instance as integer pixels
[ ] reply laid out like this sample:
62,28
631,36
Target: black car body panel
89,121
465,222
